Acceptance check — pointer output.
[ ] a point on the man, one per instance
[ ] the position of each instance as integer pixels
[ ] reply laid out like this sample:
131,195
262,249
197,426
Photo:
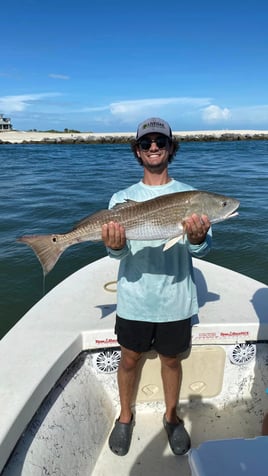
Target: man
156,292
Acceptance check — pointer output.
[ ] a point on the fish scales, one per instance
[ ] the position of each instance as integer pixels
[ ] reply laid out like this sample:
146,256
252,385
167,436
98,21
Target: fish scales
142,220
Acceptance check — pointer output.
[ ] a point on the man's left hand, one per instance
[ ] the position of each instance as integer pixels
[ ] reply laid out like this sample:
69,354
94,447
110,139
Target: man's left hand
196,228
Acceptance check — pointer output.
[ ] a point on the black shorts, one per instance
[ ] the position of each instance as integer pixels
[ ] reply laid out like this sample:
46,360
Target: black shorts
167,338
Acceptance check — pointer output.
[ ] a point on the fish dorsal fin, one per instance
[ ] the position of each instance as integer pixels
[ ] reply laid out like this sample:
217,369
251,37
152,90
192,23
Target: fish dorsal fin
125,204
90,218
105,213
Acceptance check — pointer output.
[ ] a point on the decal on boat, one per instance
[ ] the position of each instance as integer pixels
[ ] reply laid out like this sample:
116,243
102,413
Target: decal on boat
106,341
220,335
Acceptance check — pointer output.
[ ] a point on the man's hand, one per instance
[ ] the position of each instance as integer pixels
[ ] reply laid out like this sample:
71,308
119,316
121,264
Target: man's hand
113,235
196,228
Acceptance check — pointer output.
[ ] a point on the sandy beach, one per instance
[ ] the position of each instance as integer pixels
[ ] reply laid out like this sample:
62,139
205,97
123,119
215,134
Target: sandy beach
22,137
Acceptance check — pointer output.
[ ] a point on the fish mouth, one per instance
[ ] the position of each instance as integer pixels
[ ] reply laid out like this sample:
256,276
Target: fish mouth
231,215
225,217
234,210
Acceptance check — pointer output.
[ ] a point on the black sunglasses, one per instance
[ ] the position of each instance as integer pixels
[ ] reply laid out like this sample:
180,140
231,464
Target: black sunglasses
161,143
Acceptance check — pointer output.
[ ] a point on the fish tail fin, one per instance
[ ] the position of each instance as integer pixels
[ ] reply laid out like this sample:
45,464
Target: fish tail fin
46,247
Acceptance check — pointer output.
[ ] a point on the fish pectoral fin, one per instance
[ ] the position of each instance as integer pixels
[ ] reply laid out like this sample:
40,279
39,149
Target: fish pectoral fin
172,242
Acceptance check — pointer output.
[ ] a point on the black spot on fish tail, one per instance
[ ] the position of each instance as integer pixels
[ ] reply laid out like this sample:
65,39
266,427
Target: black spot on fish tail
47,249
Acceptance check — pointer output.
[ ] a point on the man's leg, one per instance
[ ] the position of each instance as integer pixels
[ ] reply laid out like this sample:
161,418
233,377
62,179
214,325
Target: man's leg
126,375
171,371
120,437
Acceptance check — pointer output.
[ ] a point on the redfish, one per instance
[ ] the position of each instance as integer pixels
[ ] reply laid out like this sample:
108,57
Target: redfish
160,218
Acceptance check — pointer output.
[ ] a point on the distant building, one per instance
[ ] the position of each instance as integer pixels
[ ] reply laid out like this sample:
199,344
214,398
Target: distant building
5,123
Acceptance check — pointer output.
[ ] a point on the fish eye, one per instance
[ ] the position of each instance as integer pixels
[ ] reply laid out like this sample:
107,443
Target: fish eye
224,203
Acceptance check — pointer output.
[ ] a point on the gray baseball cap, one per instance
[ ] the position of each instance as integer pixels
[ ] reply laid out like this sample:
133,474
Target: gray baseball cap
153,125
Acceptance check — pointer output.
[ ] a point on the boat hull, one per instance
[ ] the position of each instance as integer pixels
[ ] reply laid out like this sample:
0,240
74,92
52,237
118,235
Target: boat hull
61,405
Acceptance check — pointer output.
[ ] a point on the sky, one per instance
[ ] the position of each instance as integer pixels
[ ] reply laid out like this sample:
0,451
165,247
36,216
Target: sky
105,66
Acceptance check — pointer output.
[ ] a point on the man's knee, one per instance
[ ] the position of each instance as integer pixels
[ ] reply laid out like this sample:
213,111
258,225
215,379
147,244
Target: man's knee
129,359
172,362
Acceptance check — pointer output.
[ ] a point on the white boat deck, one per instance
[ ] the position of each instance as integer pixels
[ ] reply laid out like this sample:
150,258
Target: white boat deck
79,314
149,453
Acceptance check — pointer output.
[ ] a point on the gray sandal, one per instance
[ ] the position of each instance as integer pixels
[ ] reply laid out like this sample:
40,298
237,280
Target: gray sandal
120,438
178,438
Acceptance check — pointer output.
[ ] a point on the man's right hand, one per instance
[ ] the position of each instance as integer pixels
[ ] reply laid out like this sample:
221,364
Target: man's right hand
113,235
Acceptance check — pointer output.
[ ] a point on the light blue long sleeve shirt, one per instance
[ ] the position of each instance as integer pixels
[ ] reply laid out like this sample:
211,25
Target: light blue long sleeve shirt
156,285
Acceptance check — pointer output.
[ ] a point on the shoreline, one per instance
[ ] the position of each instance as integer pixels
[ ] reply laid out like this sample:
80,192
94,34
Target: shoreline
22,137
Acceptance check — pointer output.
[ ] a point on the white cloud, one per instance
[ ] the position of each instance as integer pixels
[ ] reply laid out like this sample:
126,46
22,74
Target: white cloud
59,76
126,114
123,107
10,104
253,115
183,113
139,106
214,113
94,109
133,111
237,117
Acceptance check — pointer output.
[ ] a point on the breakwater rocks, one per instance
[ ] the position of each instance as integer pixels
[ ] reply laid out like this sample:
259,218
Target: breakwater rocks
13,137
67,139
231,136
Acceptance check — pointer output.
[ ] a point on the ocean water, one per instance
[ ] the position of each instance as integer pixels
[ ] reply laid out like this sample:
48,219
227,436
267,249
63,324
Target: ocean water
48,188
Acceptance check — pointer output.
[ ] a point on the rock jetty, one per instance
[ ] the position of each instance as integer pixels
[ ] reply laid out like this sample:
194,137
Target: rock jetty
20,137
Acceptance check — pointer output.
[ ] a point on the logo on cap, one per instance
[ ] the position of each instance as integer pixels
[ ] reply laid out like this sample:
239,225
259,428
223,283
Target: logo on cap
153,124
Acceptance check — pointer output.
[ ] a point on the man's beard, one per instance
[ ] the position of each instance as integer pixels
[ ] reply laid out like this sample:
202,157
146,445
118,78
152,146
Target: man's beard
156,168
